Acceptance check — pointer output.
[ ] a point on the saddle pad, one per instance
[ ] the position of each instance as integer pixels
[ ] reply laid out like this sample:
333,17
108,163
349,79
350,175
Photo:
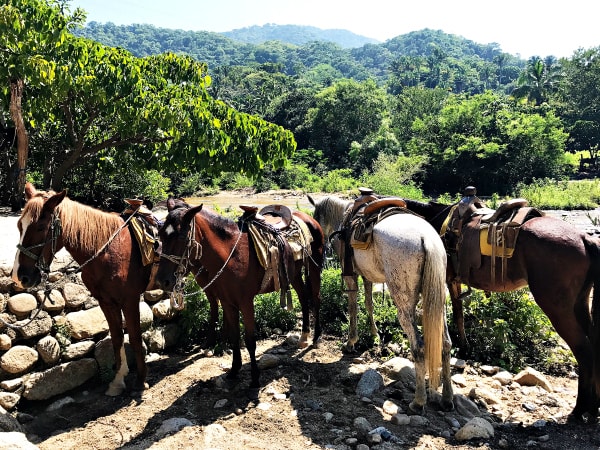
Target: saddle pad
144,239
501,251
298,237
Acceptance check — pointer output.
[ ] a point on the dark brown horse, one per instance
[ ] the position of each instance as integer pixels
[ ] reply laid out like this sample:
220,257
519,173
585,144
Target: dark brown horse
110,260
225,263
560,264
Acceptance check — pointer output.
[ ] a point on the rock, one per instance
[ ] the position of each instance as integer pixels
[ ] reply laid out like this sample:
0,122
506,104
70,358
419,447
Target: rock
75,295
49,349
459,379
5,342
391,408
531,377
161,338
362,427
399,369
59,379
370,382
475,428
484,394
504,377
163,310
54,302
466,407
153,295
268,361
172,426
58,404
41,325
489,370
87,323
8,400
14,440
22,304
18,359
8,423
78,350
12,384
400,419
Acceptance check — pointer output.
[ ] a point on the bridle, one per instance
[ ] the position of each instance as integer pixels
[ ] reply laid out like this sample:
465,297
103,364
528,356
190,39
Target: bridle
52,236
183,261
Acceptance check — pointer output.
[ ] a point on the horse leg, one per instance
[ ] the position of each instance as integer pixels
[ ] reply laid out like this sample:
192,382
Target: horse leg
131,311
458,317
250,340
369,307
406,317
574,333
314,300
115,326
352,292
231,325
211,338
304,297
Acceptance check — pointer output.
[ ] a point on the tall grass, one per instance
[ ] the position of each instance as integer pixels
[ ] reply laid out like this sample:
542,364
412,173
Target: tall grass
552,194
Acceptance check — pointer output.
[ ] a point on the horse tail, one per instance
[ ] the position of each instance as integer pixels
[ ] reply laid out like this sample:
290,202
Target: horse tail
434,307
593,247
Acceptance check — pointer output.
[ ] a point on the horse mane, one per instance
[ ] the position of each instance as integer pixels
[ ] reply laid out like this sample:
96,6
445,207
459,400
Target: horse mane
86,227
221,225
334,208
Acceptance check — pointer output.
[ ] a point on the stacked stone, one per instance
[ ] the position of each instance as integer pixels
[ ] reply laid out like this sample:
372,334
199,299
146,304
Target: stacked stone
50,350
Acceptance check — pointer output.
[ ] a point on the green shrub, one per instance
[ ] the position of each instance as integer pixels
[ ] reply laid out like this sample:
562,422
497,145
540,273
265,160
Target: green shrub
509,330
551,194
268,315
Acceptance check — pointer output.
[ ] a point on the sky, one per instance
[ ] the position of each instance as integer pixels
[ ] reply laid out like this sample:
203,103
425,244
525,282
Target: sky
522,28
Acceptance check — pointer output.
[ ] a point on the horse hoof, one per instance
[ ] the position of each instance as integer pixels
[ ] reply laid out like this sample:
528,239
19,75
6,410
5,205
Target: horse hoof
347,348
252,393
415,409
447,405
115,390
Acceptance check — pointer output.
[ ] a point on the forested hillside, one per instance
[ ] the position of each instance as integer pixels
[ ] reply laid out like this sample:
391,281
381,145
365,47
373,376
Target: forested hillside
297,35
453,61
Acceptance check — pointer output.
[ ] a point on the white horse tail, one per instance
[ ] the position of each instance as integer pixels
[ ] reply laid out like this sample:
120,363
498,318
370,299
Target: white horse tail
433,294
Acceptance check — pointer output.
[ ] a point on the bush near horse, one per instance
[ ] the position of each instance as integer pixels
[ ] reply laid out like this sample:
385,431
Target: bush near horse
67,342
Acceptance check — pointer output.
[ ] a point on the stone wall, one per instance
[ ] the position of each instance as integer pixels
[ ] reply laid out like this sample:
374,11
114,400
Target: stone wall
50,350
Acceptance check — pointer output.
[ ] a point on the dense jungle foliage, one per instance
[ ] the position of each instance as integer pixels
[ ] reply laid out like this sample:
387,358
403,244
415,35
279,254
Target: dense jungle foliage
112,111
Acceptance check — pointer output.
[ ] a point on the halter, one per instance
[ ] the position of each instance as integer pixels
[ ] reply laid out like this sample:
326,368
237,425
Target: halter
52,236
177,295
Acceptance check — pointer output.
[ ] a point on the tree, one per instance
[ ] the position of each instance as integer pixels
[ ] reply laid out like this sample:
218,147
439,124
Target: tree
102,101
539,79
579,98
32,31
345,112
487,141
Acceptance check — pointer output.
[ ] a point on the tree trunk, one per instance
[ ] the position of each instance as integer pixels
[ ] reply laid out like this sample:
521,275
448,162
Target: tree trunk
16,94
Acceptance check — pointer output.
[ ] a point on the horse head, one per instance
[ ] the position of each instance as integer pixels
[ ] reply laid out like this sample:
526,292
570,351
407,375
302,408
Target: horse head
39,229
176,239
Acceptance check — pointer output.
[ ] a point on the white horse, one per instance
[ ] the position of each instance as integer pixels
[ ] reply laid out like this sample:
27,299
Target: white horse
407,254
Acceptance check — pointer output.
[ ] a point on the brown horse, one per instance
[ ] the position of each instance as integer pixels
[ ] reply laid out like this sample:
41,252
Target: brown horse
560,264
226,265
110,261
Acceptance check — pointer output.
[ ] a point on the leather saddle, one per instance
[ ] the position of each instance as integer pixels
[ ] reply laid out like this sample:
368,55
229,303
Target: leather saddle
277,216
486,232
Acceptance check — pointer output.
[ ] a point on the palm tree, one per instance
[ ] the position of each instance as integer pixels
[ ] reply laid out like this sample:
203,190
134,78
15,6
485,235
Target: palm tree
538,79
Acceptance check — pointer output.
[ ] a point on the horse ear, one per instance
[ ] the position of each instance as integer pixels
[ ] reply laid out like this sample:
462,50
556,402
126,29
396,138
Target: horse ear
310,199
29,191
190,213
54,201
170,203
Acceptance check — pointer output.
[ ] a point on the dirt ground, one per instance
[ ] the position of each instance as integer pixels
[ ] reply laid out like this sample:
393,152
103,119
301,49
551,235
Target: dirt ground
290,412
292,408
